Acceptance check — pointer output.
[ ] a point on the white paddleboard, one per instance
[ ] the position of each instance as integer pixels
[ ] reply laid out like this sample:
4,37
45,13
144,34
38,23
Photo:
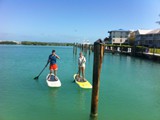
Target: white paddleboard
53,81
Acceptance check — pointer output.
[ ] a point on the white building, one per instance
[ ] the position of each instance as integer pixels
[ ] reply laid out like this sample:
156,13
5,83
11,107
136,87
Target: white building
119,36
86,42
148,38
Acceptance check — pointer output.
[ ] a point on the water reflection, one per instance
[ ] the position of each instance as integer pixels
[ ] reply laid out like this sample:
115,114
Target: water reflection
53,92
93,117
53,98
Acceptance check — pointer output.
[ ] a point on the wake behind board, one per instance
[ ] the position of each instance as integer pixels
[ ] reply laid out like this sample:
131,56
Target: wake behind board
81,83
53,81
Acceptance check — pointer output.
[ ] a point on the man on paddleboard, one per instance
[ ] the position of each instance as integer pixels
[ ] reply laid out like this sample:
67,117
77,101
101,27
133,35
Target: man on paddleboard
52,60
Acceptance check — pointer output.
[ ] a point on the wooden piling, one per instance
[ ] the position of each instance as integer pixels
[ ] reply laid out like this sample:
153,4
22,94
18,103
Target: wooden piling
98,56
75,48
89,50
82,46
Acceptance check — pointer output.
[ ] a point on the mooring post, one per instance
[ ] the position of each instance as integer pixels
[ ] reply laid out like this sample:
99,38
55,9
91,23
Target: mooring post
89,50
97,64
73,48
76,48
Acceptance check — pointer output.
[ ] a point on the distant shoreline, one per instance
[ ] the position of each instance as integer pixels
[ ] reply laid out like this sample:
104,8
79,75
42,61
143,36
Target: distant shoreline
35,43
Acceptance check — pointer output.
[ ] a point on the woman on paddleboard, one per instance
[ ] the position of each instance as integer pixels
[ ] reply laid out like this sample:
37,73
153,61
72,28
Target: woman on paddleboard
52,60
81,65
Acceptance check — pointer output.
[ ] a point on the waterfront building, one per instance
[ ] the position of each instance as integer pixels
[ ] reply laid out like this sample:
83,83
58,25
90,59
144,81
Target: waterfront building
148,38
119,36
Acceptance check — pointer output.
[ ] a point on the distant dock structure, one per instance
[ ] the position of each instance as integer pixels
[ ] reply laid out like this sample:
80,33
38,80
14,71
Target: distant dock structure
86,42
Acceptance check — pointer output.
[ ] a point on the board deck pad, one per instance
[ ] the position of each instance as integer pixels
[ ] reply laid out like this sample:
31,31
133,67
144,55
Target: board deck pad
53,81
52,78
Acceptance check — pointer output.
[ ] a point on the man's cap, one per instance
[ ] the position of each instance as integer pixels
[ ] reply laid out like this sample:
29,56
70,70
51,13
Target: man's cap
53,51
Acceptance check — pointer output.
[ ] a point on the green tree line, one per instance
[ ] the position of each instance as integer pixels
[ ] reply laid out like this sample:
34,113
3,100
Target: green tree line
37,43
8,42
46,43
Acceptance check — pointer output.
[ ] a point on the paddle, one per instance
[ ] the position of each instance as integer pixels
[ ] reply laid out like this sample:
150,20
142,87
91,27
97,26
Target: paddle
77,73
41,71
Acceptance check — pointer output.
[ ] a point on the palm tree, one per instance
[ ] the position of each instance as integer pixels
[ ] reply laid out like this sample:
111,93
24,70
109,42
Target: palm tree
158,21
132,38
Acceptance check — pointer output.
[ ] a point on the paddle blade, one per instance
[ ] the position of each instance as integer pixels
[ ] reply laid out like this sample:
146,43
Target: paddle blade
73,81
36,78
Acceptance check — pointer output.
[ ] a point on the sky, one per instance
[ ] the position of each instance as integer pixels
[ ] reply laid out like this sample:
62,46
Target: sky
74,20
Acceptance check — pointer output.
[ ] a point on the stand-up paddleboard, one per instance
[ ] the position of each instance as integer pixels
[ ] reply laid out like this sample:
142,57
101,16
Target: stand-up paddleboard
53,81
81,82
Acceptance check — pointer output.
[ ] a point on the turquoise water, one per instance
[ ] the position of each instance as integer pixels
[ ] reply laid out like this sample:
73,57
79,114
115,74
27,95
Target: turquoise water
129,87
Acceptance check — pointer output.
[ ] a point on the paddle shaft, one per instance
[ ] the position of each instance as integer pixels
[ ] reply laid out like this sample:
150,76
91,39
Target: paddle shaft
41,71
